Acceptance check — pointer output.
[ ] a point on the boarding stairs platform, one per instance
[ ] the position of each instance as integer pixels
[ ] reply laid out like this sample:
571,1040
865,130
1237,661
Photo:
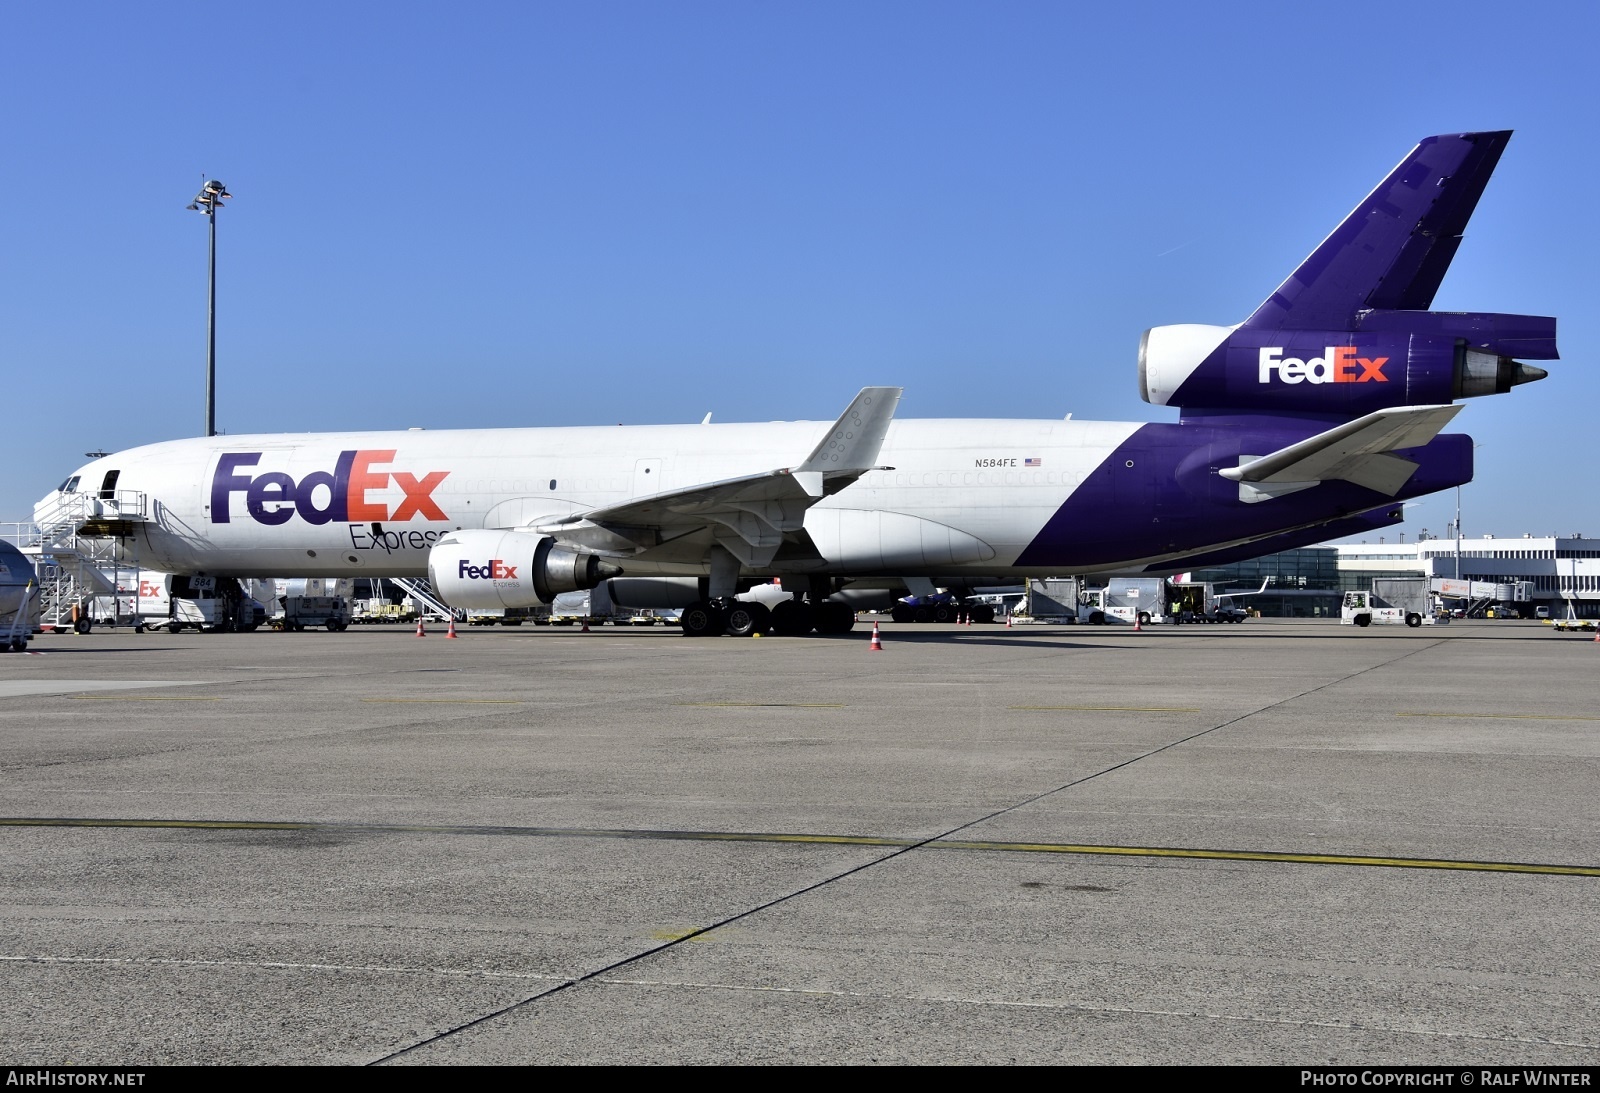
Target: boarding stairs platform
83,547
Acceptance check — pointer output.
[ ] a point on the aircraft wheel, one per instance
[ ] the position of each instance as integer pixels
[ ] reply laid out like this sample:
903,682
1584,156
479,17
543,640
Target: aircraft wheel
701,620
792,619
982,613
922,614
1413,619
943,612
902,612
745,619
834,618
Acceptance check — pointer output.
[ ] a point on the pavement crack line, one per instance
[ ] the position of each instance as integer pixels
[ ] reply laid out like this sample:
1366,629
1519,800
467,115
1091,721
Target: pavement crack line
786,897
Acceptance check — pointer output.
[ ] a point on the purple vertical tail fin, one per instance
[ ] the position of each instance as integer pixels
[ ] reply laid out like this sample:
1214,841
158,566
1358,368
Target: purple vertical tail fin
1392,251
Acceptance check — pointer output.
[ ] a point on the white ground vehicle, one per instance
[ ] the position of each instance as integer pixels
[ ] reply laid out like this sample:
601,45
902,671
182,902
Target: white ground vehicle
1368,608
204,603
331,612
1126,599
142,600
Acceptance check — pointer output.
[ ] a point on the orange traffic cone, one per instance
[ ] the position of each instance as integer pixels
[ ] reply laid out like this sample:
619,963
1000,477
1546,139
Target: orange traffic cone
877,642
450,633
421,633
585,629
1008,621
1136,626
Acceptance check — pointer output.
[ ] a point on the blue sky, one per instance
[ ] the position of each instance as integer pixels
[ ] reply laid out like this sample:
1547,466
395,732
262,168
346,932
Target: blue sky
537,214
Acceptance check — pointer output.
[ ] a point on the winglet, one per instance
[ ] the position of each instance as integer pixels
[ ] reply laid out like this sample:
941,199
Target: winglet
852,445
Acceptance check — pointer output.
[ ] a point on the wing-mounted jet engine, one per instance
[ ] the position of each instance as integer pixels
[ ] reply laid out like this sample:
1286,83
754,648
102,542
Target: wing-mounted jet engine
1350,331
488,570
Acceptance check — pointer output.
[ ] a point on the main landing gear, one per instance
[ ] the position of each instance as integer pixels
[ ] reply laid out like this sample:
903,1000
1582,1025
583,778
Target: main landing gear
739,618
710,618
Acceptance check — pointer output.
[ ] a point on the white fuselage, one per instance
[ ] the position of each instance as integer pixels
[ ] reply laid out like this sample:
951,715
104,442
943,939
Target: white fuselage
951,496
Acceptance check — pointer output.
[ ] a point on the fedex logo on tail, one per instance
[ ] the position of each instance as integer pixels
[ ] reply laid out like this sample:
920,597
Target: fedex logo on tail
323,497
496,570
1339,365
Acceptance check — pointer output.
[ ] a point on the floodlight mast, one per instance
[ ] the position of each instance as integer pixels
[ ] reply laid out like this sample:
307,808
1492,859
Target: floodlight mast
208,201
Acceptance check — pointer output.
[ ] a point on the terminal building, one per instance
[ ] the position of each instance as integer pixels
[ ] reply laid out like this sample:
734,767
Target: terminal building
1563,573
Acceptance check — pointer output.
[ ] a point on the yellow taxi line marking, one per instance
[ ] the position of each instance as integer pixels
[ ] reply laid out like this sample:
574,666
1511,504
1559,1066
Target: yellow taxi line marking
1506,716
1273,856
816,839
695,936
769,705
145,698
454,701
1115,709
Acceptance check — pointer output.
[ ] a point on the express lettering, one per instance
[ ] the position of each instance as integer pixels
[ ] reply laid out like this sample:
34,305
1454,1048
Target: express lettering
390,540
496,570
1340,365
272,498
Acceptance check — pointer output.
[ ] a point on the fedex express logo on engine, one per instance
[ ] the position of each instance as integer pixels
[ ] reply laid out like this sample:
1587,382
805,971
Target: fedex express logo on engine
496,570
1340,365
323,497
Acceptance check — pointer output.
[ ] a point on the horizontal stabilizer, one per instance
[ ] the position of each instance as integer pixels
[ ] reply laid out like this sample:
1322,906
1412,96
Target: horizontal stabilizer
1358,451
1392,251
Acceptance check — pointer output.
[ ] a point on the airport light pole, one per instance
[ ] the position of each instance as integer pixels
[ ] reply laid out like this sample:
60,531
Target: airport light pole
208,201
1458,533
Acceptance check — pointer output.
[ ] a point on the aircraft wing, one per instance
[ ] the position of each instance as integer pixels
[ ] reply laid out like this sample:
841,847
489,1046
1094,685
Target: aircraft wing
1359,451
751,515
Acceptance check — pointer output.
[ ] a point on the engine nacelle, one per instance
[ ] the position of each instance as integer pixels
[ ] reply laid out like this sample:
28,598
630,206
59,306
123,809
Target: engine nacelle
495,569
1395,358
655,593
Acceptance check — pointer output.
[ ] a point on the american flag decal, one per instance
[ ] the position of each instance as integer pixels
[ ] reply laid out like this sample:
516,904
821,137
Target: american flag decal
1033,463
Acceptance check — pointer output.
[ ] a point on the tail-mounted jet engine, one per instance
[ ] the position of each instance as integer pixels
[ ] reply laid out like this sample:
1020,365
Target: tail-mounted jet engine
1390,358
1351,331
494,569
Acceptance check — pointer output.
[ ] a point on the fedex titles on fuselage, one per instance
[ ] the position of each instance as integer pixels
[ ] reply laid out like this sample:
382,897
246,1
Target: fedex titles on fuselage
1339,364
337,496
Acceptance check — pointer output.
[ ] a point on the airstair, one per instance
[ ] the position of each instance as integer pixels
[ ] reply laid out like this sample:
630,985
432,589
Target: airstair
422,592
85,551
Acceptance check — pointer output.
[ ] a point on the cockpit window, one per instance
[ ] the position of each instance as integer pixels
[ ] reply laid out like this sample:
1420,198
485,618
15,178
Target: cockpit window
70,485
